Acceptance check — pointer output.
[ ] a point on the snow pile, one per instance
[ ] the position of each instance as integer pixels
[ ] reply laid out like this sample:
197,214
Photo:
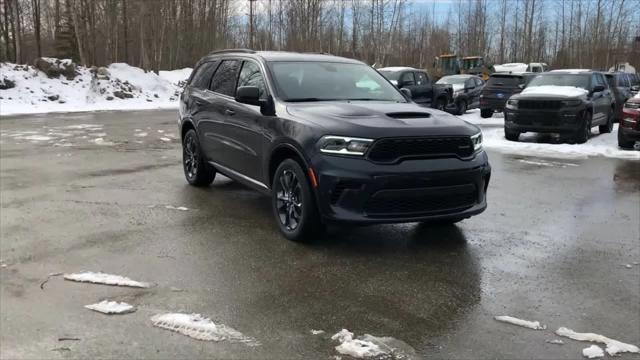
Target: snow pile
513,67
198,327
117,87
111,307
535,325
552,146
592,352
107,279
369,346
613,346
566,91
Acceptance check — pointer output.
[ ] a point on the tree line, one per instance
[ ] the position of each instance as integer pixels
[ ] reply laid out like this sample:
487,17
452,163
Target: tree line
168,34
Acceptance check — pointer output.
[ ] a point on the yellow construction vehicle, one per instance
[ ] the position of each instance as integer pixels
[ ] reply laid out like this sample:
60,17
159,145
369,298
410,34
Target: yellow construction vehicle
475,65
447,64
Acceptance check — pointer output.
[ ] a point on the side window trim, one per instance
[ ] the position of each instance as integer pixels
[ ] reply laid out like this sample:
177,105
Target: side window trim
220,62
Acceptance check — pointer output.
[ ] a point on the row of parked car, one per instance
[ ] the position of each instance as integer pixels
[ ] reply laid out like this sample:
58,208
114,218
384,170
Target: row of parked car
570,102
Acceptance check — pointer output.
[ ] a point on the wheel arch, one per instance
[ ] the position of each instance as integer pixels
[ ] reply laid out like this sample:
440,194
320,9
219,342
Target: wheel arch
281,152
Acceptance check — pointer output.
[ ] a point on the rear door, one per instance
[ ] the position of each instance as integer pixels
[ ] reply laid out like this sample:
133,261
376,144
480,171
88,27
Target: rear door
408,81
197,98
221,90
424,87
601,99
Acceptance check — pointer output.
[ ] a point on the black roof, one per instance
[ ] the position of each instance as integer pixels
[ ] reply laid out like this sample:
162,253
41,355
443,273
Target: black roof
281,56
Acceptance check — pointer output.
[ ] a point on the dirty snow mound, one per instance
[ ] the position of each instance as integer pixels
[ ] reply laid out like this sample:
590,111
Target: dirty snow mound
201,328
535,325
592,352
111,307
107,279
369,346
317,332
613,346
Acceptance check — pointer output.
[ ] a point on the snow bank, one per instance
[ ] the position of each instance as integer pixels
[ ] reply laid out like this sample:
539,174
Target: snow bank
613,346
565,91
200,328
535,325
111,307
592,352
530,144
120,87
107,279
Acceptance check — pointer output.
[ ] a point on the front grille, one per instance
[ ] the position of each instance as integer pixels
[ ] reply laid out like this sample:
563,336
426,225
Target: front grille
540,104
538,119
391,150
422,201
340,187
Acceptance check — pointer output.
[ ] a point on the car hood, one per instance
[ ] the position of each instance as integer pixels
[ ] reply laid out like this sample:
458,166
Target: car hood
552,92
380,119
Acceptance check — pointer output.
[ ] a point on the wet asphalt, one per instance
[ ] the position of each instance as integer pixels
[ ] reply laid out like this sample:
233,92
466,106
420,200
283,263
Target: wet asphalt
552,246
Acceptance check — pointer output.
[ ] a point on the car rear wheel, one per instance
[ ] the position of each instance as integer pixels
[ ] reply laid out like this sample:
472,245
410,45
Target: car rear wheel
511,135
461,107
196,169
608,127
582,135
486,113
293,203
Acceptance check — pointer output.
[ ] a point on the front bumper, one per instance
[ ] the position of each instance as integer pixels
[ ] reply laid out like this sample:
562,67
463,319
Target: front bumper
355,190
544,121
628,134
493,103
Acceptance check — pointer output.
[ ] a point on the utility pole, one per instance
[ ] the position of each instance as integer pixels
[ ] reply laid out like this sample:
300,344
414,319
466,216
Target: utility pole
251,23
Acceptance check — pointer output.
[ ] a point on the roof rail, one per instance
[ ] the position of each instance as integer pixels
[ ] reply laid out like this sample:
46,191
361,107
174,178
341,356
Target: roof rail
248,51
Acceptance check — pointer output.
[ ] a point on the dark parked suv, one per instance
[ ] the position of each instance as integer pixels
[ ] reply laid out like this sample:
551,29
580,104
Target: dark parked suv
499,88
423,90
566,102
330,140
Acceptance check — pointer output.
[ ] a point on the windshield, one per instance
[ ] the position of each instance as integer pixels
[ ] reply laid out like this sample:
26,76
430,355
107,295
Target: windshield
326,81
575,80
511,81
453,80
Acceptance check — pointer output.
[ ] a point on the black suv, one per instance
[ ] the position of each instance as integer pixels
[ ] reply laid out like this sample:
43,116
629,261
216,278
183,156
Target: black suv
561,101
330,140
422,88
466,92
499,88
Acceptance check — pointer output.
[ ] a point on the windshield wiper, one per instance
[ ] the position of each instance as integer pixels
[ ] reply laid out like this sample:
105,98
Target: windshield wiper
309,99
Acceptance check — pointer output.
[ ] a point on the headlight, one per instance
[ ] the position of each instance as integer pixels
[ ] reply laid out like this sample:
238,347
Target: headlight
629,120
344,145
572,102
477,141
512,104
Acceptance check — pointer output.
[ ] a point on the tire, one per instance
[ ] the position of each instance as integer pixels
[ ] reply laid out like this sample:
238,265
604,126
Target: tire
608,127
511,135
197,170
624,143
486,113
582,135
293,203
441,104
461,107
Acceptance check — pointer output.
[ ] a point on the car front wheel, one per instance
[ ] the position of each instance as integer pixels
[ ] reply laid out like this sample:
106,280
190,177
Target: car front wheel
486,113
624,143
461,107
511,135
582,135
608,127
293,203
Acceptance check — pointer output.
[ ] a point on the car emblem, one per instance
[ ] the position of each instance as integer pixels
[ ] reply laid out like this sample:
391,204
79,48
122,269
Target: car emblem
500,95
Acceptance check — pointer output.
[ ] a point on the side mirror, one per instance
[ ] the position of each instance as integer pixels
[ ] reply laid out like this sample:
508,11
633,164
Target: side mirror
406,92
248,95
598,88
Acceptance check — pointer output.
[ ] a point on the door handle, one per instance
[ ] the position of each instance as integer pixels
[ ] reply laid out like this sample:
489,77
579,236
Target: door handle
229,112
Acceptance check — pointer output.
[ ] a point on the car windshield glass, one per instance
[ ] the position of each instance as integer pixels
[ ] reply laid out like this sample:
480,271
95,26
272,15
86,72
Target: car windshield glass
575,80
326,81
505,81
453,80
391,75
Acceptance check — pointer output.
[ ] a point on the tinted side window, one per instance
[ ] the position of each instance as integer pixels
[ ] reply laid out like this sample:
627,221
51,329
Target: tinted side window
469,84
408,78
597,80
421,78
203,74
250,75
224,80
478,81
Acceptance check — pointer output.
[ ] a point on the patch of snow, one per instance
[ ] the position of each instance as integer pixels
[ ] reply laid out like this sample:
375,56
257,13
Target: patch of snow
555,90
613,346
181,208
395,68
556,341
35,137
513,67
107,279
165,139
628,266
101,141
368,346
592,352
546,163
201,328
176,76
140,134
317,332
111,307
535,325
